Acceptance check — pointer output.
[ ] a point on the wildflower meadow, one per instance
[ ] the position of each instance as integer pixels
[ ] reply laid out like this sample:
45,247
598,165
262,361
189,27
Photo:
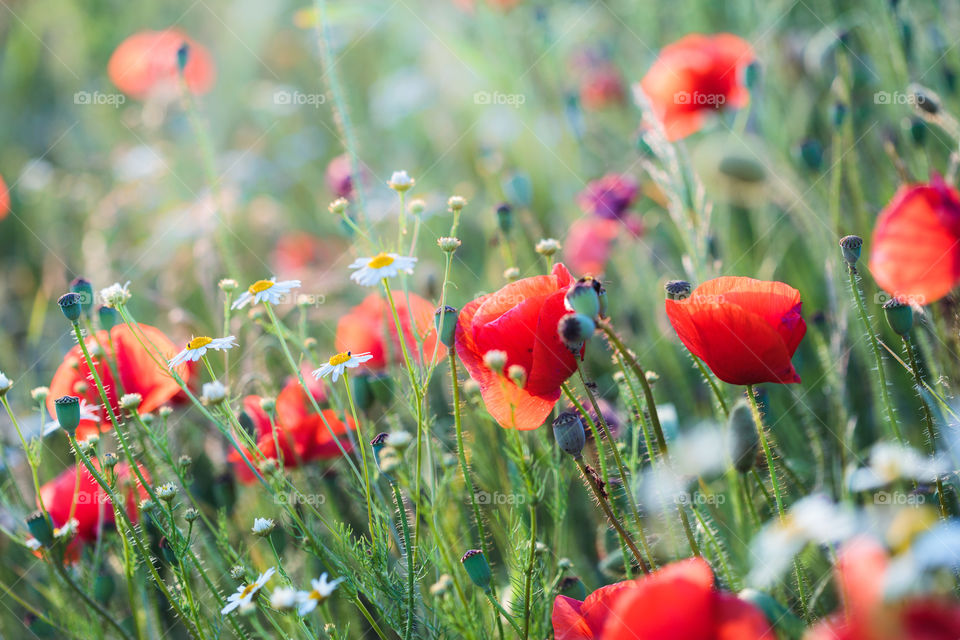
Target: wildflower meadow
481,319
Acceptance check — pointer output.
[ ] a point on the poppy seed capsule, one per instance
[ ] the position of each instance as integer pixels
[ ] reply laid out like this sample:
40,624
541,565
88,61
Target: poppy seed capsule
109,317
569,433
851,246
477,567
84,289
744,439
68,412
574,329
445,321
899,316
583,297
70,306
678,289
572,587
505,217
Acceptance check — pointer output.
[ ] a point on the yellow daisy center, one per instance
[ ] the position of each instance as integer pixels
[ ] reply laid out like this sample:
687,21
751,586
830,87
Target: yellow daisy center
260,286
247,589
340,358
316,595
196,343
380,261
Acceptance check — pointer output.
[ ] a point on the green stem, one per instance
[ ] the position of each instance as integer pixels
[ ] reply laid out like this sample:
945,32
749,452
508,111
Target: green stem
497,607
927,418
761,430
405,528
90,602
362,443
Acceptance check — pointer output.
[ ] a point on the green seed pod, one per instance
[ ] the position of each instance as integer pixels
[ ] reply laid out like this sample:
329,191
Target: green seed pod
109,317
574,329
569,433
851,246
811,152
744,439
583,297
572,587
84,289
68,412
448,315
743,169
678,289
40,528
477,567
899,316
70,306
505,217
183,56
751,75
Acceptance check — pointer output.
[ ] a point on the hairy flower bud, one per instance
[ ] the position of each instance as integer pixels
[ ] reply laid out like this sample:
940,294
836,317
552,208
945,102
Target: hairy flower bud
569,433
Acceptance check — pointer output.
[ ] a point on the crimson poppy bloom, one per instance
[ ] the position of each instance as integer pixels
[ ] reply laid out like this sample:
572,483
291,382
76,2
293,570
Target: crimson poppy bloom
520,319
93,509
366,327
602,87
746,330
677,602
915,253
608,197
146,62
300,432
866,615
4,199
696,75
137,370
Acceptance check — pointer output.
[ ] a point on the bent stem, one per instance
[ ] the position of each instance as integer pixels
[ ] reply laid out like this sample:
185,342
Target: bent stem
501,611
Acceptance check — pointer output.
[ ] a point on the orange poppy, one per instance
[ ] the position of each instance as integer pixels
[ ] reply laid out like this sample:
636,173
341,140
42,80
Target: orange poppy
745,330
520,319
915,253
696,75
365,327
147,62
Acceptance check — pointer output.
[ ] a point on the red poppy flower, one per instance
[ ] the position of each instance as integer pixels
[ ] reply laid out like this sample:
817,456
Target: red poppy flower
147,62
677,602
602,87
300,432
915,253
339,176
520,319
93,510
865,615
608,197
746,330
694,76
365,327
137,370
589,244
4,199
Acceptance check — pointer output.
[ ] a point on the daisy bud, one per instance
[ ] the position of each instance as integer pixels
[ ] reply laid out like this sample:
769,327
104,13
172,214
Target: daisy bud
191,515
850,246
167,492
148,418
477,567
572,587
263,526
399,440
496,360
389,462
512,274
678,289
564,564
505,217
5,384
68,412
518,375
109,317
449,245
40,528
269,405
228,285
268,467
38,394
70,306
165,411
744,440
115,295
213,392
238,572
84,289
130,401
147,505
652,377
88,447
185,462
338,207
456,203
548,246
569,433
574,329
583,297
310,344
110,460
899,316
448,317
416,206
400,181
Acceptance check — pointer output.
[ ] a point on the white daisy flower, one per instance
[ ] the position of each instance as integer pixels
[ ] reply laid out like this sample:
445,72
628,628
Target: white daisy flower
263,526
370,271
400,181
340,362
87,412
284,598
243,598
320,592
115,294
5,384
890,462
199,346
265,290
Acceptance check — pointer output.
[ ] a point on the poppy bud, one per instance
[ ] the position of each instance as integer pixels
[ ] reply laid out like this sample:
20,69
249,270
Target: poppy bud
569,433
751,75
84,289
109,317
811,152
572,587
918,130
926,102
574,329
742,169
899,316
505,217
744,439
446,315
110,460
477,567
678,289
583,297
40,528
183,57
851,246
378,444
68,412
70,306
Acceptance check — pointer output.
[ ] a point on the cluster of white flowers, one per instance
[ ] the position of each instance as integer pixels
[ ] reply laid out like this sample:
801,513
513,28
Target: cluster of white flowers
283,598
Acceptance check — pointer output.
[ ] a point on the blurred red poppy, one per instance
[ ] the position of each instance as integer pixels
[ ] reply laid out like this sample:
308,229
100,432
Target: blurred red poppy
746,330
93,510
364,329
915,253
301,433
602,87
866,615
339,177
520,319
137,370
608,197
694,76
589,243
146,62
4,199
677,602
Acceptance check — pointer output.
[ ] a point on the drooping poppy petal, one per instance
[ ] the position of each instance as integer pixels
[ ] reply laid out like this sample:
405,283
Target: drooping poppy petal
915,253
147,62
745,330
